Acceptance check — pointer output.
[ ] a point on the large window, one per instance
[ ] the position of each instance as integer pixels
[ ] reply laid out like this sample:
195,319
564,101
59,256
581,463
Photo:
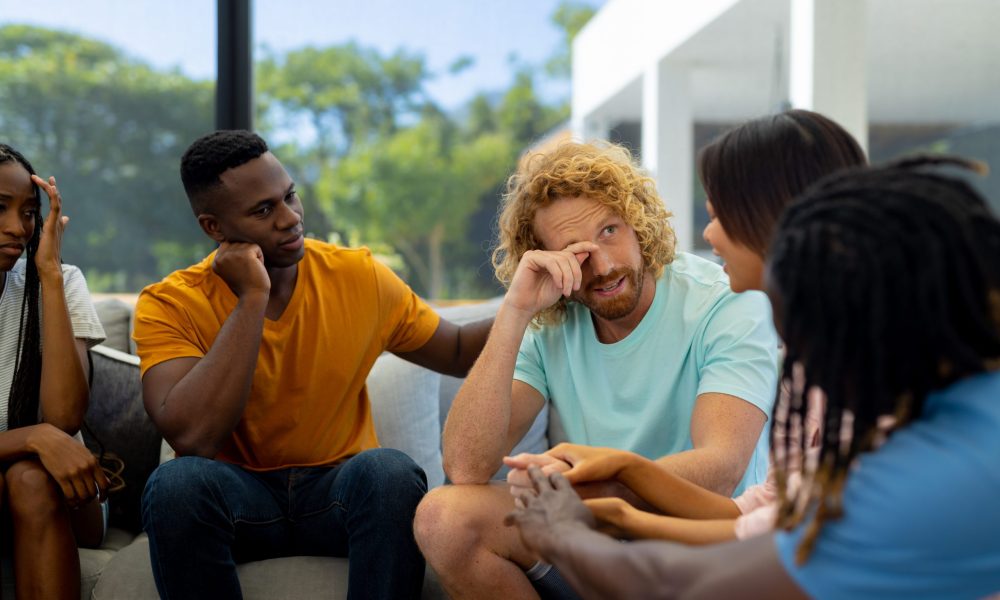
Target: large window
400,121
105,96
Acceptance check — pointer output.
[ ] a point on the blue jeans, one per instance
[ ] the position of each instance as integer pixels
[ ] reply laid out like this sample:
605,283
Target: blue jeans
204,516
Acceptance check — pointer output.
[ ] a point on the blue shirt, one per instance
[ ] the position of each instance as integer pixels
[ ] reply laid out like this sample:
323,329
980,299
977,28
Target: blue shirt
638,393
922,513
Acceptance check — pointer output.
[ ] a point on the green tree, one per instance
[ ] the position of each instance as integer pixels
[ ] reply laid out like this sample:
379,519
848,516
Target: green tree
111,129
569,17
333,99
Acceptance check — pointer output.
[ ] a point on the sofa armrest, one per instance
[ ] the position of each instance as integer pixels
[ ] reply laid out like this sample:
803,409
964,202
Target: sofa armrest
116,422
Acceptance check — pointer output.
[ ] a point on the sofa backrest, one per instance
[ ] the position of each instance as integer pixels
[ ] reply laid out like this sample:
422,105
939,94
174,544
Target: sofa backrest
409,407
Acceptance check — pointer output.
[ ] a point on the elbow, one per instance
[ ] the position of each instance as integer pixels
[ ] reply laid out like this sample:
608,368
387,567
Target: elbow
729,478
192,446
463,472
69,421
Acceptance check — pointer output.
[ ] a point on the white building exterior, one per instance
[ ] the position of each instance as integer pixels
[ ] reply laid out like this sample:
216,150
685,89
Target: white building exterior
668,64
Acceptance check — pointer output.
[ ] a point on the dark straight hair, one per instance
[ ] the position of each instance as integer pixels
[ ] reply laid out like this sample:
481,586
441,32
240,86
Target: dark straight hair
751,173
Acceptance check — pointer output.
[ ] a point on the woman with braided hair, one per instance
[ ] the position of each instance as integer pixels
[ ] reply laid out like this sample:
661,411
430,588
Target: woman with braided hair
886,289
50,482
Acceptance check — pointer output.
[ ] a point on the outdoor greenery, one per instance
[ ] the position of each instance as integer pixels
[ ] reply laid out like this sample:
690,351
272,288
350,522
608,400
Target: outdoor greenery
376,161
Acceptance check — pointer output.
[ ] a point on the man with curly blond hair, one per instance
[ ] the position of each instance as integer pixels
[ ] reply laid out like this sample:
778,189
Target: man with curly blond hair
635,346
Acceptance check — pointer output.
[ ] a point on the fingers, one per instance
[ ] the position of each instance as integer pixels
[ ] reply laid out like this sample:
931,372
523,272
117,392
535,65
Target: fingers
539,481
518,478
559,482
50,189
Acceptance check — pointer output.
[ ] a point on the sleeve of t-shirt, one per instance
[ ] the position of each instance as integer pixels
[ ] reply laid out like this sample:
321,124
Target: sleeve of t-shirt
740,350
408,321
529,367
82,314
160,334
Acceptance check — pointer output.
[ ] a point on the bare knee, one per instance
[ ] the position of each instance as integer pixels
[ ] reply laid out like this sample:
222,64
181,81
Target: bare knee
33,493
439,525
455,522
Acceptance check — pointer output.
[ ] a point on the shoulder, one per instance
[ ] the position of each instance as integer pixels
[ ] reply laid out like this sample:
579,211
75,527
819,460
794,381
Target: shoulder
184,285
693,278
322,256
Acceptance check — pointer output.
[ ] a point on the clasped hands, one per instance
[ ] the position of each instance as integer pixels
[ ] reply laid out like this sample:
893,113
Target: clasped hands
566,479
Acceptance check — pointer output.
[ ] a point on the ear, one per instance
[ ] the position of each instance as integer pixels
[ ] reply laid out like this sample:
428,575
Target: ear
211,226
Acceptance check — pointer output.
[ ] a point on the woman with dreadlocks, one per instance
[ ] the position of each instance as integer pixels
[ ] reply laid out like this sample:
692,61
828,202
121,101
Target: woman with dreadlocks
50,481
886,289
750,175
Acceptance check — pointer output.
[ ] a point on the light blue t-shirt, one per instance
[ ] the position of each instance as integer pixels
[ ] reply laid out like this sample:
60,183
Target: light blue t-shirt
638,394
922,513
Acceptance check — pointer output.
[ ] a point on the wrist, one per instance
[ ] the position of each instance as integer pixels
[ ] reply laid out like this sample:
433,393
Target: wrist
517,317
563,536
51,276
254,298
33,436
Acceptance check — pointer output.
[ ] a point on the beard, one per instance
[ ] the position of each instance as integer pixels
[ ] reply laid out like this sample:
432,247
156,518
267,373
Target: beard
622,304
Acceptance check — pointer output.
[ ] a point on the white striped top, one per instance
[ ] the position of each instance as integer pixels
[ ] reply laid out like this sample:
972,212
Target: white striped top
82,315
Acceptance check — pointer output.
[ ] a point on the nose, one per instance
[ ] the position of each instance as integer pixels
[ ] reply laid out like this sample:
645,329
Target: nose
287,217
13,225
600,263
704,234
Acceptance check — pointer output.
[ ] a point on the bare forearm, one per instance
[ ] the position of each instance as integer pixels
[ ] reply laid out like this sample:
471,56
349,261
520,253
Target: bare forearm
475,436
472,339
15,443
202,409
598,566
672,494
709,468
63,391
644,525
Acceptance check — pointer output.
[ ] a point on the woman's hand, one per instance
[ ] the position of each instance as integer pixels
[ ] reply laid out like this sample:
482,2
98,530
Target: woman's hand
70,463
591,464
612,515
47,258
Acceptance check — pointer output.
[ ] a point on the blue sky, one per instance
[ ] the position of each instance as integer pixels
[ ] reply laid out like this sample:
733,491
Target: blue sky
181,33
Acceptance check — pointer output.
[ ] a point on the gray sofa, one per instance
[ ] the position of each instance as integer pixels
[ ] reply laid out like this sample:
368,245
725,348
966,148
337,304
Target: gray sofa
409,405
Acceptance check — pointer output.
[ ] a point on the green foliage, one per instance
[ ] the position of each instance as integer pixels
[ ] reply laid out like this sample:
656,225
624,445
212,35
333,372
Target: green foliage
111,130
570,17
375,161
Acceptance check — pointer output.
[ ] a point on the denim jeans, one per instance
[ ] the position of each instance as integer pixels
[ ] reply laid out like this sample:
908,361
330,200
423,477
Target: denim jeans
204,516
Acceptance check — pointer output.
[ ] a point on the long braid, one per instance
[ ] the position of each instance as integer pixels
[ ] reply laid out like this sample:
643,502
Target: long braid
24,390
889,286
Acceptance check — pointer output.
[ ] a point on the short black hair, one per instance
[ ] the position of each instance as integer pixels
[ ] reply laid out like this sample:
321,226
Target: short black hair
213,154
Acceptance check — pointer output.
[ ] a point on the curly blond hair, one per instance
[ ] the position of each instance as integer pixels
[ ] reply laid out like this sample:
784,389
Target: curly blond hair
601,171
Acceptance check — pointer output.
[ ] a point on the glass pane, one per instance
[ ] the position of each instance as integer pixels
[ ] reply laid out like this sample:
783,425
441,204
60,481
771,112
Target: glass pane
106,96
400,121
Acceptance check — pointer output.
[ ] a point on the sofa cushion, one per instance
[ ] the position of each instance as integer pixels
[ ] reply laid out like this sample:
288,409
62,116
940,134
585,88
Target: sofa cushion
117,422
116,318
404,401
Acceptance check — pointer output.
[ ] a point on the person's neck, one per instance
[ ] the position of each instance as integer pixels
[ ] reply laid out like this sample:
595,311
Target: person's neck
282,286
616,330
3,281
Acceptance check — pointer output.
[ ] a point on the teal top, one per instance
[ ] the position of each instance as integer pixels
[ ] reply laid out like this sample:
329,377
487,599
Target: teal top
638,394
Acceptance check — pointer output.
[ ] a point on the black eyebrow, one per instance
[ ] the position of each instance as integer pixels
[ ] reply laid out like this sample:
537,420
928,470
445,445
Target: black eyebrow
266,201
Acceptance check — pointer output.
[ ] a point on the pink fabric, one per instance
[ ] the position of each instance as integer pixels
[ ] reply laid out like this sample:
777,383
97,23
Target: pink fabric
759,503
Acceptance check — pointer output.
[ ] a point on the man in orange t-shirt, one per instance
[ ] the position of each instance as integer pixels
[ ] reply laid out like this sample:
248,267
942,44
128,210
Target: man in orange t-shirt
253,368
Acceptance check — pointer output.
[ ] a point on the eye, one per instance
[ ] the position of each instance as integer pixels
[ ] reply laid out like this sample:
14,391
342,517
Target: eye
609,230
263,211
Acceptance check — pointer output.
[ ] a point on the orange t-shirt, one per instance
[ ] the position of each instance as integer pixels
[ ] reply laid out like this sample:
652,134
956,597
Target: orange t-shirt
308,404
